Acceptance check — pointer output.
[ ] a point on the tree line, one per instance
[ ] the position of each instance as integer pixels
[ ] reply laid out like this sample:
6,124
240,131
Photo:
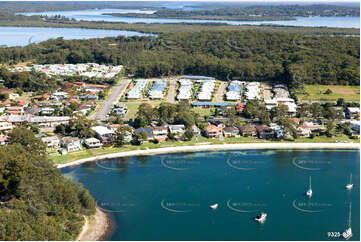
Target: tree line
254,12
293,59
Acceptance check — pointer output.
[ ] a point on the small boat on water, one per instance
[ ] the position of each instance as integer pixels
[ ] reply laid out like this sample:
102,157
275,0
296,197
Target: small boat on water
349,186
309,191
348,233
214,206
261,218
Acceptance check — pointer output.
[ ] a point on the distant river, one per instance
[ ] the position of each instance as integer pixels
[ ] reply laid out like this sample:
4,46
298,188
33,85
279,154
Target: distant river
21,36
167,196
96,15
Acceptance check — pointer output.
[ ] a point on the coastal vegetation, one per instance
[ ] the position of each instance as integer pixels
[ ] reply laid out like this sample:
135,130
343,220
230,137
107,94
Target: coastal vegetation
250,55
34,197
252,13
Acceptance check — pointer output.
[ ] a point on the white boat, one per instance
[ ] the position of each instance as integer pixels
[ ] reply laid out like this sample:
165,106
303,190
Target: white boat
349,186
261,218
214,206
348,233
309,191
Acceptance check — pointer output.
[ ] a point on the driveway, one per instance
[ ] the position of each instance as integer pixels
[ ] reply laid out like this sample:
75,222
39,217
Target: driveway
171,92
220,92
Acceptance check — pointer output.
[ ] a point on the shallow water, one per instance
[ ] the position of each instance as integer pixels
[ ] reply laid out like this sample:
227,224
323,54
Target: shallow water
167,196
21,36
97,15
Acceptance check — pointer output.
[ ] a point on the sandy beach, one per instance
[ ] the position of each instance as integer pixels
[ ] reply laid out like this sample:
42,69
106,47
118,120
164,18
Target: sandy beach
96,227
245,146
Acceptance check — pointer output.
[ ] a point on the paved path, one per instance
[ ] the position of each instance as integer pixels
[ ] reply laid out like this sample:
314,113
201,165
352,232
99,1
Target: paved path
171,91
220,92
267,92
112,98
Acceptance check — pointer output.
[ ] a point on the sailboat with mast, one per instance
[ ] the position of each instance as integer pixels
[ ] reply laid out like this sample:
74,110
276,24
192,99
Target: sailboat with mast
348,233
309,191
349,186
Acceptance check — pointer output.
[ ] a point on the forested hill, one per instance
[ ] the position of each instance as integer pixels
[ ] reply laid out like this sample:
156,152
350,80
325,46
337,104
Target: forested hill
250,55
260,12
36,201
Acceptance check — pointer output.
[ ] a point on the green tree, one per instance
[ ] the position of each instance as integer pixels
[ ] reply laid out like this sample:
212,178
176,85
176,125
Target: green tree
142,136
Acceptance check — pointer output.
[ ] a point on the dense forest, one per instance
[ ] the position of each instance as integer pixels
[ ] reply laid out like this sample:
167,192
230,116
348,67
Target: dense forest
257,12
249,55
36,201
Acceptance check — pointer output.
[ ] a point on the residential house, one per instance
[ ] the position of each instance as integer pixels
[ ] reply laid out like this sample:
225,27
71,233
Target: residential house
160,133
353,112
92,143
42,97
11,92
177,130
240,107
3,139
47,111
6,126
314,127
355,128
148,131
94,88
40,121
212,131
248,130
51,141
196,131
59,96
302,130
231,131
15,110
127,136
265,132
218,123
105,134
278,131
71,143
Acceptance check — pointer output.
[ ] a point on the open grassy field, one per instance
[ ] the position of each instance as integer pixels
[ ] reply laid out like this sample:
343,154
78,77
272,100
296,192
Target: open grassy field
133,107
316,92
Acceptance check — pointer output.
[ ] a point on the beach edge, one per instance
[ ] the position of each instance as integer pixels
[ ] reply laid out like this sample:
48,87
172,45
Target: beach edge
245,146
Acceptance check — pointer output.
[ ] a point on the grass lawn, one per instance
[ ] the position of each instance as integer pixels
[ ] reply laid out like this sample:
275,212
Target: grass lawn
133,107
86,153
316,92
204,111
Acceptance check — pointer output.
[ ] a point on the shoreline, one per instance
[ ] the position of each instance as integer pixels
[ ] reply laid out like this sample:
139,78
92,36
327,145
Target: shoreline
98,228
245,146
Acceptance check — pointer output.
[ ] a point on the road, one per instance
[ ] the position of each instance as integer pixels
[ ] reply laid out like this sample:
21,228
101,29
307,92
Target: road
171,91
111,99
220,92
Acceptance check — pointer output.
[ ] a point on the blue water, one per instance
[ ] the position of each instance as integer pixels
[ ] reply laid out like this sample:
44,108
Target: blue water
21,36
96,15
167,197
